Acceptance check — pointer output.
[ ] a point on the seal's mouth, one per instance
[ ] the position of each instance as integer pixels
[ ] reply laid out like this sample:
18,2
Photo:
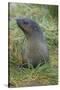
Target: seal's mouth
19,21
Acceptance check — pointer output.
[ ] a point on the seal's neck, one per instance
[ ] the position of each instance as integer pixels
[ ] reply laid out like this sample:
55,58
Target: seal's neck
35,36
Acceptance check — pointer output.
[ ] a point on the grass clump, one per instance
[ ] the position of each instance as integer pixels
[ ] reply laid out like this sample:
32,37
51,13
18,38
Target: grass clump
46,74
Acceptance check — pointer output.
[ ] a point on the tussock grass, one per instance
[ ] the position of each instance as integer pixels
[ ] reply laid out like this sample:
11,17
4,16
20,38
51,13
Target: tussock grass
46,74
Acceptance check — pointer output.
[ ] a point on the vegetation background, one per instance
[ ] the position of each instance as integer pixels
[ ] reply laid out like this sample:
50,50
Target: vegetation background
47,17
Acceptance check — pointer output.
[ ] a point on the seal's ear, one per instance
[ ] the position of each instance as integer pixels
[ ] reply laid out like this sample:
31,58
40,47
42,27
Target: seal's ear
34,26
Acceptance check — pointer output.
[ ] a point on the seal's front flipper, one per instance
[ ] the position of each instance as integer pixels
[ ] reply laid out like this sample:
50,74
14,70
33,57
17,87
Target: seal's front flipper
25,65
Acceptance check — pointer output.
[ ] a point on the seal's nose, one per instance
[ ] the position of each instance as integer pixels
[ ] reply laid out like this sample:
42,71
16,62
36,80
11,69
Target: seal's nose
18,20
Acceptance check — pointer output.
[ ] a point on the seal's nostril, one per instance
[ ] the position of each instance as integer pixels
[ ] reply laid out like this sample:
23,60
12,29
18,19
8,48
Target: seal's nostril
19,18
16,18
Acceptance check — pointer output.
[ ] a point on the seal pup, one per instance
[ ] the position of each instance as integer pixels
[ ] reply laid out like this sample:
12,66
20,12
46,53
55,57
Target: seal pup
37,51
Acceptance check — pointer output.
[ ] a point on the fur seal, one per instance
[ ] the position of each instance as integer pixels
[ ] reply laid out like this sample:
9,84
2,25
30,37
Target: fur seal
37,51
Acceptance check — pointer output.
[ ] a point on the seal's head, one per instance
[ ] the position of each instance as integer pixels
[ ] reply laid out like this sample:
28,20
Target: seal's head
27,25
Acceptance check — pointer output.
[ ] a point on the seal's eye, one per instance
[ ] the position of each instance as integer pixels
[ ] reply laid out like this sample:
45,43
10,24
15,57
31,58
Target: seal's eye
25,22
